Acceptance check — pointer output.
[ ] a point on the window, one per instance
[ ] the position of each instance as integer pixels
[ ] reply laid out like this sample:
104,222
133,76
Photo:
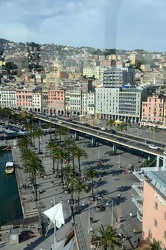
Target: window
156,205
164,235
150,233
155,222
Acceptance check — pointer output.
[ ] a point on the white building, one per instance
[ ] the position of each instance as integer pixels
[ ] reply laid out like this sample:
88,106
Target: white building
8,99
88,103
36,101
89,72
117,103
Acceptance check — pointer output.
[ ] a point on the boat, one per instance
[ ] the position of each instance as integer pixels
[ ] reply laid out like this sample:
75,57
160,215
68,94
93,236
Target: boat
9,167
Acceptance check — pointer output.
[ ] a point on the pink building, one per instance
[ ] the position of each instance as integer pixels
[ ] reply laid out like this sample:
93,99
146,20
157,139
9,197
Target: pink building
154,207
153,108
24,99
56,102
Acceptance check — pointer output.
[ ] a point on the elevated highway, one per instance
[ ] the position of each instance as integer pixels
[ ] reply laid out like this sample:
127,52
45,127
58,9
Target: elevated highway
117,139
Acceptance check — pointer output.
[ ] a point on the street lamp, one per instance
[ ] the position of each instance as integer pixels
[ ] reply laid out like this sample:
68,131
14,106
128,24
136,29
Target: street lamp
112,204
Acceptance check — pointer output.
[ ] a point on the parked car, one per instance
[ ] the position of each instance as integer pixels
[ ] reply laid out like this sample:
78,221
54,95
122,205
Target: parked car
164,152
152,146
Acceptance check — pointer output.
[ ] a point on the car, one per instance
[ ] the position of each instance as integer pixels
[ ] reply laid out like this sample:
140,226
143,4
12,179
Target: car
103,128
153,146
164,152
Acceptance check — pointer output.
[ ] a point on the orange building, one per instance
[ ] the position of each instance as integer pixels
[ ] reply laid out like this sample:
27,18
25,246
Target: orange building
56,102
154,207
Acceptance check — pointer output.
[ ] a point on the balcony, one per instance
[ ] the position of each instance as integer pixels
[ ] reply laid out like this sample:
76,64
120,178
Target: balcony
138,202
139,216
140,175
138,188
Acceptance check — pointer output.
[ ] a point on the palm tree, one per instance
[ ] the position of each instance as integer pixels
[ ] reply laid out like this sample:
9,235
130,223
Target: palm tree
38,133
90,174
122,126
60,130
32,165
107,239
60,156
111,123
78,186
154,245
69,174
80,153
51,147
24,142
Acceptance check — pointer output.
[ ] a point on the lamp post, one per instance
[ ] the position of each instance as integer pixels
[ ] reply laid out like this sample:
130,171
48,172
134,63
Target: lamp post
112,215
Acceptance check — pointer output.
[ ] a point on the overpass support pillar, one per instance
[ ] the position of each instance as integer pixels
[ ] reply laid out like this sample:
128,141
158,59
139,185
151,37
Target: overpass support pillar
148,157
114,148
93,142
76,136
157,163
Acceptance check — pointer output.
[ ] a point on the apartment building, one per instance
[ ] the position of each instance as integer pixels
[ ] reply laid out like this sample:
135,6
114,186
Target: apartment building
107,103
88,103
56,102
119,103
130,105
89,72
8,98
44,106
116,77
24,99
153,108
75,101
154,207
36,101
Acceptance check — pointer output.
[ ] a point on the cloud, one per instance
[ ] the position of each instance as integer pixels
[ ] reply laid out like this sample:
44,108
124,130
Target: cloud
97,23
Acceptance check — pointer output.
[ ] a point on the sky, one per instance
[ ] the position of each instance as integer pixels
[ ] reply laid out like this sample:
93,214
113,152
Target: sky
119,24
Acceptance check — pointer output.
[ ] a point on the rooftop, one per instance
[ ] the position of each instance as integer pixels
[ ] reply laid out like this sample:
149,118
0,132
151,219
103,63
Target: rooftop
158,180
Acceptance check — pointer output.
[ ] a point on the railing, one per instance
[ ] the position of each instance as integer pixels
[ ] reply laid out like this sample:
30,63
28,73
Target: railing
139,175
138,188
137,201
139,216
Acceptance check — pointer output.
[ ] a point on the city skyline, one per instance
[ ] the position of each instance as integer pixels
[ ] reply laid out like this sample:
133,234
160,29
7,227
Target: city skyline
119,24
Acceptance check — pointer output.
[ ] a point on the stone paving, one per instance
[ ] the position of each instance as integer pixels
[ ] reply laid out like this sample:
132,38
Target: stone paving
110,183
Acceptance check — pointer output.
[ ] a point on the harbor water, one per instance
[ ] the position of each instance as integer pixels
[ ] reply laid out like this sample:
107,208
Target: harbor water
10,206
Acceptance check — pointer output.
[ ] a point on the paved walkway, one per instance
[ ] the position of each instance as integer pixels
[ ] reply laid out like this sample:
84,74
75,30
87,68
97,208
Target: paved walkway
111,182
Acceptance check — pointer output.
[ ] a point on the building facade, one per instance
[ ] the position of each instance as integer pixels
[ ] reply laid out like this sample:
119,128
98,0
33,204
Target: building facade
153,108
154,207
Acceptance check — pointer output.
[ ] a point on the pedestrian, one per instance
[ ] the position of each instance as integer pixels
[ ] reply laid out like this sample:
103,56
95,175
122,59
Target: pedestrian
25,186
134,231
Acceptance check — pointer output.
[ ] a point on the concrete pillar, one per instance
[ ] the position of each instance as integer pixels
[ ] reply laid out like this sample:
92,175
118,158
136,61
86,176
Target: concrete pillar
114,148
148,157
93,141
164,162
157,163
76,136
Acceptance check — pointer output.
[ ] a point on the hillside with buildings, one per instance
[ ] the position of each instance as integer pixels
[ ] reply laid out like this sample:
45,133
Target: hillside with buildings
104,84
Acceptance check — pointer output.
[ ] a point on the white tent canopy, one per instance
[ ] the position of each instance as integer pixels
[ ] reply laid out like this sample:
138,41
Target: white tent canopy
55,214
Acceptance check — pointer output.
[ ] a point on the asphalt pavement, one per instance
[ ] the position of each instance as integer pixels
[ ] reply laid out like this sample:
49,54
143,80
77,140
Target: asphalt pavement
113,190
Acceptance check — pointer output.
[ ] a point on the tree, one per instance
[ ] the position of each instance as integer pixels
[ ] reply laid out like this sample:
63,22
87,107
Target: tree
90,174
24,142
111,123
122,126
38,133
32,165
106,239
80,153
51,147
78,186
154,245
